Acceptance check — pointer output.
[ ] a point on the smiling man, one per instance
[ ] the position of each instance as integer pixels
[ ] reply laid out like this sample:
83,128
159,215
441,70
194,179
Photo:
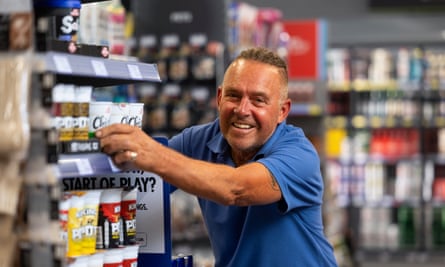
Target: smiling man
257,179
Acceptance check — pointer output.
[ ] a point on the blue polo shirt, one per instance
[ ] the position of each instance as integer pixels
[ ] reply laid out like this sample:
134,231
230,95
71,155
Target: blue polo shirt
287,233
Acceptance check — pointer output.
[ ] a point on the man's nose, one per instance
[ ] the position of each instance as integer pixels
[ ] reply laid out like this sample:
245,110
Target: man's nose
243,106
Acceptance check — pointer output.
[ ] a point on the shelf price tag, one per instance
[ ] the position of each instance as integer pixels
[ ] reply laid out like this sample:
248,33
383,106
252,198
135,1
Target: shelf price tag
99,68
62,64
84,166
135,73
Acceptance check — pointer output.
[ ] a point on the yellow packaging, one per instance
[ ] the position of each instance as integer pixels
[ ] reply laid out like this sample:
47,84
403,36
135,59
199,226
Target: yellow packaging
334,138
90,221
74,227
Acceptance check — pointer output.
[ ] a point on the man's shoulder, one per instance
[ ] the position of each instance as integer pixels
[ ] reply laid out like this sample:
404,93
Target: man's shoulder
288,132
207,129
198,134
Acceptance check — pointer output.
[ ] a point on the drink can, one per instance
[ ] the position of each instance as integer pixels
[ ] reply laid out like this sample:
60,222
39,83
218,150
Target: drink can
120,113
136,114
99,114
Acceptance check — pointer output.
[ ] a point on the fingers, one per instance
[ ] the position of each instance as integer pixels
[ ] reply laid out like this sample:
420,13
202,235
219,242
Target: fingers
125,160
117,143
117,138
121,143
117,128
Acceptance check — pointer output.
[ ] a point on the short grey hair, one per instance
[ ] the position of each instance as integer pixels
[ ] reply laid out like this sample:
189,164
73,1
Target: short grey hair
264,55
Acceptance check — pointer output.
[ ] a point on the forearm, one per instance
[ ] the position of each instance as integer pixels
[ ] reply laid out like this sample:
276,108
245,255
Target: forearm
208,180
249,184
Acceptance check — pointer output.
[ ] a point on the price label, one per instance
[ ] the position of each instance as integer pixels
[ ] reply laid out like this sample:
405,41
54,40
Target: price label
135,73
99,68
62,64
84,167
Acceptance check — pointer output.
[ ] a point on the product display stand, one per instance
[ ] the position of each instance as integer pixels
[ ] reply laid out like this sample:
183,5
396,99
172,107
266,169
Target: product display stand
153,201
83,167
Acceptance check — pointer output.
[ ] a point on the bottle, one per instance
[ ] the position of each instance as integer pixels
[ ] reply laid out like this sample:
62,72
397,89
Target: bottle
407,229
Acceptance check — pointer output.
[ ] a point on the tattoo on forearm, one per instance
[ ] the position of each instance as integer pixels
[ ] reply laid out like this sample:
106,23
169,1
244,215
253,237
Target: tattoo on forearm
273,183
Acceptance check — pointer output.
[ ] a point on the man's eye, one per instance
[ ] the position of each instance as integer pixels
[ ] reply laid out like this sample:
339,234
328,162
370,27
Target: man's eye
232,95
260,100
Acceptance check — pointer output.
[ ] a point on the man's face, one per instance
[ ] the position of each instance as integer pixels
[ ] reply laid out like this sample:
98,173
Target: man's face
250,106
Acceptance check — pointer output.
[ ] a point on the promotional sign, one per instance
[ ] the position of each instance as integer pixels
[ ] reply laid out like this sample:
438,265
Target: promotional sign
306,49
153,232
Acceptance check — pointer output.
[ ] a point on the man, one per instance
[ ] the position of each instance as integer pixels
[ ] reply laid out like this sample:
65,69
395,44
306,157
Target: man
257,179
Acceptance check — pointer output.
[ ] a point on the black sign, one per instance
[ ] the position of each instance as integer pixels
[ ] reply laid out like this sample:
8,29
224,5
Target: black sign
184,18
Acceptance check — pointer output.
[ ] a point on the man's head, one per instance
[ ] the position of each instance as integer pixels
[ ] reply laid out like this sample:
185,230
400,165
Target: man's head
252,100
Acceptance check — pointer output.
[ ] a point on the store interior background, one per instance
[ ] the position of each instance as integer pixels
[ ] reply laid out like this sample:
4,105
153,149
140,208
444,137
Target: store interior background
382,146
354,22
350,23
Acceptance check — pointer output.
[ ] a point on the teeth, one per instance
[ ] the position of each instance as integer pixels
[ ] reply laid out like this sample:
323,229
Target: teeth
242,126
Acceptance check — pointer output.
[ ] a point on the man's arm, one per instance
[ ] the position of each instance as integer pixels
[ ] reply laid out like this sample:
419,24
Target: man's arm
249,184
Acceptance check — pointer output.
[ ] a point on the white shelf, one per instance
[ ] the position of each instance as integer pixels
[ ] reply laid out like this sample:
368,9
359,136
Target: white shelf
96,71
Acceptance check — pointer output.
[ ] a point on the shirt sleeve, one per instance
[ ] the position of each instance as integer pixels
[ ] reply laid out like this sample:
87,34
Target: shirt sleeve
177,143
295,164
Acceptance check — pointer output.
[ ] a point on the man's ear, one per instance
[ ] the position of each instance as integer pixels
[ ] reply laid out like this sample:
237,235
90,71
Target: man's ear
284,110
218,95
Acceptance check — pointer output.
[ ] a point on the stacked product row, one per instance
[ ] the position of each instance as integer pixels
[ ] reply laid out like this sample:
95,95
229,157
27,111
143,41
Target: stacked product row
48,111
188,71
385,144
99,227
77,116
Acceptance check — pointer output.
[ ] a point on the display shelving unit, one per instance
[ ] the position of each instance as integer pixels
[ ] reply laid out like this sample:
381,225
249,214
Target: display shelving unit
383,156
85,162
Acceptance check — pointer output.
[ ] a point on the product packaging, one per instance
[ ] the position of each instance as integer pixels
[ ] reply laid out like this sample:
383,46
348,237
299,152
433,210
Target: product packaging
56,20
136,114
15,75
9,194
120,113
99,113
74,228
109,231
96,260
112,26
64,206
90,220
79,262
16,30
81,111
63,110
130,256
128,216
113,258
